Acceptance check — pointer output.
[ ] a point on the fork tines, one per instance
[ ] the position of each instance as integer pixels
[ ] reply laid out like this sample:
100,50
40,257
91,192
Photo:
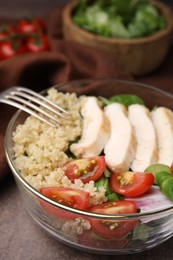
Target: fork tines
32,103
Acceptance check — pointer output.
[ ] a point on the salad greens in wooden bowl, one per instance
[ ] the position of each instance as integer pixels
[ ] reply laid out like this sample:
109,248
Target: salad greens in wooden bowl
126,30
119,18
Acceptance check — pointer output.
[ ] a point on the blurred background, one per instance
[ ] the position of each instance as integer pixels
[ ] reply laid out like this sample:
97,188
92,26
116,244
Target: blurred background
21,8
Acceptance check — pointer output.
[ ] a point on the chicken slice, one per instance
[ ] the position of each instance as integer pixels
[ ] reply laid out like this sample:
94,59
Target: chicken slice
95,132
163,121
120,148
146,150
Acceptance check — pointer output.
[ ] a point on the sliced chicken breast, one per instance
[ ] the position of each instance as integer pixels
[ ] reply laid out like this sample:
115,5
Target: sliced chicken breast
146,150
163,121
95,132
120,148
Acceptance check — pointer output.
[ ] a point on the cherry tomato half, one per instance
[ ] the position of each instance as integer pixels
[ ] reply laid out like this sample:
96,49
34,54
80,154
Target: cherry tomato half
37,43
131,183
85,169
70,197
110,228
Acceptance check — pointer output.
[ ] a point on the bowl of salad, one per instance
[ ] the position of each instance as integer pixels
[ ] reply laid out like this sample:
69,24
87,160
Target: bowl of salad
101,181
125,30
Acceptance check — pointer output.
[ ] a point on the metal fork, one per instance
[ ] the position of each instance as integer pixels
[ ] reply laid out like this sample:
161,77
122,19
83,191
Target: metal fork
34,104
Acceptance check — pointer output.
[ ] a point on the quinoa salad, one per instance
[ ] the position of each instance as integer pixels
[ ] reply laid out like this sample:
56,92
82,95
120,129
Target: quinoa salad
40,150
102,156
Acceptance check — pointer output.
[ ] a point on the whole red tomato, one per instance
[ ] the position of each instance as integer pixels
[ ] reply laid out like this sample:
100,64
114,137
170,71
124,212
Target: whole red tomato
37,43
10,49
26,26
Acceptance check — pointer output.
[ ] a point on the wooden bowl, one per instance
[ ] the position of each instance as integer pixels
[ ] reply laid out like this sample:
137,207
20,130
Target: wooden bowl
138,56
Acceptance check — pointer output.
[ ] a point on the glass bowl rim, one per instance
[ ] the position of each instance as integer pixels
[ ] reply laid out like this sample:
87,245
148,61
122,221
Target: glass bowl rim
29,187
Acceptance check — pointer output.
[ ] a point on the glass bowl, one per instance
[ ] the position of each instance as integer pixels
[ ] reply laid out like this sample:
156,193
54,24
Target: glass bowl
153,227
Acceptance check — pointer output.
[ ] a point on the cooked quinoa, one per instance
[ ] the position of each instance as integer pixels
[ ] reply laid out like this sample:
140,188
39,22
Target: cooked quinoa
40,150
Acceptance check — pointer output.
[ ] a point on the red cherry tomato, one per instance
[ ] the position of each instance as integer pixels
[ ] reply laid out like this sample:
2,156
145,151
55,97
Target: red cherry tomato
6,32
37,43
85,169
10,49
27,26
131,183
70,197
110,228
